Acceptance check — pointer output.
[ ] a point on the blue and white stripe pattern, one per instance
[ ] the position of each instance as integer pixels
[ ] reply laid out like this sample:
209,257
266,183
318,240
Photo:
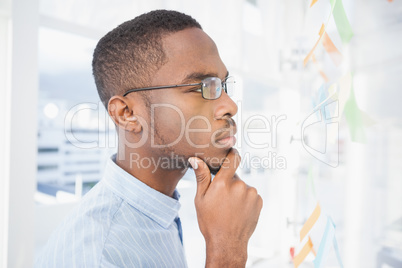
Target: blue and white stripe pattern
121,222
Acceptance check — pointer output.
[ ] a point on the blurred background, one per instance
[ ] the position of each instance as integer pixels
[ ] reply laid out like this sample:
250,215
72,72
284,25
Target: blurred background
328,132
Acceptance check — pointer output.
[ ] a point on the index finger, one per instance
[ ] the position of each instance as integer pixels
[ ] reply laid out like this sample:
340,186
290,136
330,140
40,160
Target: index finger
229,166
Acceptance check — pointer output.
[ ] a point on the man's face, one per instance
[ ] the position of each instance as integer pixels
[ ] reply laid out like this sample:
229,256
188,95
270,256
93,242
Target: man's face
182,122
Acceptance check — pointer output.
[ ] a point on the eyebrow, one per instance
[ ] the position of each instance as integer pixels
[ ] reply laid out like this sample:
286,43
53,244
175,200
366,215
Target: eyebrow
200,76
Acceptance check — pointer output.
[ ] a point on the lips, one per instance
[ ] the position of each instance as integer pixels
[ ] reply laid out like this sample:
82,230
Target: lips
228,139
227,142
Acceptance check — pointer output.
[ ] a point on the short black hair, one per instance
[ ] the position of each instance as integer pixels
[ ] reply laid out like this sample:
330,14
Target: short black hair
127,56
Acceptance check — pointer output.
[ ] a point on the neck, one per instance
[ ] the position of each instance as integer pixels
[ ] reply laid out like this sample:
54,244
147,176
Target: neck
149,169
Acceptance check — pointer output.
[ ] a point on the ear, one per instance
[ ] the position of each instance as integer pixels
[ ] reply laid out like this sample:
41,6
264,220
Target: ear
123,115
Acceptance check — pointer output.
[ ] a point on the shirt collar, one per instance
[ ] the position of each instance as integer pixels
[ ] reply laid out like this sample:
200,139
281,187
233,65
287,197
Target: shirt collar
159,207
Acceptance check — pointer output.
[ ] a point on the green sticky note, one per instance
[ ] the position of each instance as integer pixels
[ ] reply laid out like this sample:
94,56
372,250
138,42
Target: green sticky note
355,119
341,21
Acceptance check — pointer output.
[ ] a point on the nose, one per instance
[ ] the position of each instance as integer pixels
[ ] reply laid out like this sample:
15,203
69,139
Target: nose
225,106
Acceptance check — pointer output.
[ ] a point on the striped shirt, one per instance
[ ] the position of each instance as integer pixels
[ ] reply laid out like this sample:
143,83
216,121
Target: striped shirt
121,222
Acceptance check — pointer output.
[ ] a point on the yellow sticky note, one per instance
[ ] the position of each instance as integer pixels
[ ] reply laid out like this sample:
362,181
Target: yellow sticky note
310,222
322,29
331,49
299,258
310,54
313,2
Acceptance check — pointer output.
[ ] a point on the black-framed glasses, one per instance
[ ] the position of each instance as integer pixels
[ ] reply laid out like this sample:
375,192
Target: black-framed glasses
211,87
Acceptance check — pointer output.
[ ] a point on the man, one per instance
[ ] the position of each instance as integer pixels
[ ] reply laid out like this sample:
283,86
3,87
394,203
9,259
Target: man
165,87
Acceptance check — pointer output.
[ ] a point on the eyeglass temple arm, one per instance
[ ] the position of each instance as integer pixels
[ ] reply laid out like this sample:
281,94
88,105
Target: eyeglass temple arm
160,87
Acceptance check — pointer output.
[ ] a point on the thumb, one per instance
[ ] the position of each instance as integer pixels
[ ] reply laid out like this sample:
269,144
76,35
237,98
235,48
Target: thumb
202,174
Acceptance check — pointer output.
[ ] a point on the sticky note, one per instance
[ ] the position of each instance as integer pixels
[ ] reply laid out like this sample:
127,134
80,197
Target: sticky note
341,21
333,92
327,239
323,75
331,109
322,30
321,34
313,2
323,98
312,248
331,49
354,119
345,85
319,96
299,258
310,221
310,54
338,254
292,252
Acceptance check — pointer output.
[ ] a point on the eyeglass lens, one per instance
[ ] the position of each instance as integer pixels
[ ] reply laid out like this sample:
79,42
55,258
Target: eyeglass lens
230,85
212,87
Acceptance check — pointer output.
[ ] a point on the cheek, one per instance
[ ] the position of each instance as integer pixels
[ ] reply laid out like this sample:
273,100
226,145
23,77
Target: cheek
182,127
187,132
186,127
198,132
168,121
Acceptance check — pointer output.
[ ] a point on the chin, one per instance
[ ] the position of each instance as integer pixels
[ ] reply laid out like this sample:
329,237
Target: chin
214,167
214,171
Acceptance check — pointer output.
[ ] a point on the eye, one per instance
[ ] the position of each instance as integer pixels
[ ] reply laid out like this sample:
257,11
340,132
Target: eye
196,90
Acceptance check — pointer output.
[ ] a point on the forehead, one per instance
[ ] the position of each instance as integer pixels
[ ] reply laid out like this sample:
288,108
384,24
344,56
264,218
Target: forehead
189,51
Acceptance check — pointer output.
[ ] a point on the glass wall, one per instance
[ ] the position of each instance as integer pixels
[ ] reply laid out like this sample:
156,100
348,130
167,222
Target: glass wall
323,131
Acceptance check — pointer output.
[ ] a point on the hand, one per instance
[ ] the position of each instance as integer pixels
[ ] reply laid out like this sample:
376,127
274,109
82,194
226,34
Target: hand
227,211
